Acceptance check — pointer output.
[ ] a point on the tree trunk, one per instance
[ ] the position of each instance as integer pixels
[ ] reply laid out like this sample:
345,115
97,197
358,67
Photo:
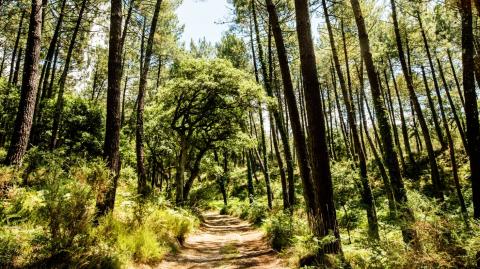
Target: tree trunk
367,197
51,50
266,172
17,67
406,140
454,73
294,115
452,105
282,130
451,148
49,90
391,113
63,79
180,173
249,177
471,109
436,180
15,47
390,155
325,217
112,130
44,78
386,181
435,82
140,136
26,107
281,167
4,56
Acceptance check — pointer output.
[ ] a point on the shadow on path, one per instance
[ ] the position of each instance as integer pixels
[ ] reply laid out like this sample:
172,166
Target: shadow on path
224,242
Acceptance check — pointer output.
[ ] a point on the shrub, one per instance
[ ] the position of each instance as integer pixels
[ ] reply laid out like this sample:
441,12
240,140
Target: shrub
9,249
142,245
279,230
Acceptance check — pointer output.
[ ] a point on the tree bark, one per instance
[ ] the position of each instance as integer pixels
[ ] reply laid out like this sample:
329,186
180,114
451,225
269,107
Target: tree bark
281,166
451,149
436,180
471,109
325,217
26,107
294,115
17,67
452,105
15,47
391,113
406,140
63,79
390,155
282,130
180,173
435,82
454,73
140,135
112,132
266,171
367,197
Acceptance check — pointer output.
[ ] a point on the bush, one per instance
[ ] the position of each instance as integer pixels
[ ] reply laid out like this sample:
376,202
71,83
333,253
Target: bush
9,249
67,212
279,230
142,245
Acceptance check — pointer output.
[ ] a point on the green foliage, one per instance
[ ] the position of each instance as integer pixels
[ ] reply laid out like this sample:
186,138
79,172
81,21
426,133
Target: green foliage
50,222
280,230
233,49
9,98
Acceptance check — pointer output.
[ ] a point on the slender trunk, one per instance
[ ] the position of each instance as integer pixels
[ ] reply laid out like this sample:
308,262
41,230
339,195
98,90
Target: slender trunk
17,67
390,155
194,173
454,73
249,177
386,181
418,141
180,173
15,47
406,140
367,197
112,130
263,148
63,79
4,56
435,83
436,180
45,75
122,119
49,90
281,167
291,103
389,104
451,148
140,135
51,50
159,72
294,116
452,105
26,107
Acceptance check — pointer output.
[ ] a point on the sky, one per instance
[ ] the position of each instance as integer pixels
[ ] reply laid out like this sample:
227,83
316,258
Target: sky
206,19
203,18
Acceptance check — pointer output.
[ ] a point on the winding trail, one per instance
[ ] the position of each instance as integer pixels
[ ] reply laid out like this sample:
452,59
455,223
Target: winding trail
224,242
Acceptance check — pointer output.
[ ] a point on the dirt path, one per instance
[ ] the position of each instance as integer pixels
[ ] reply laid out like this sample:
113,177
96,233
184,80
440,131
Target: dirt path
224,242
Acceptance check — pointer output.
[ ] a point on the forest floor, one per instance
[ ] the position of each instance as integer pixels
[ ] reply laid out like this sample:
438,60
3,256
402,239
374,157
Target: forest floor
224,242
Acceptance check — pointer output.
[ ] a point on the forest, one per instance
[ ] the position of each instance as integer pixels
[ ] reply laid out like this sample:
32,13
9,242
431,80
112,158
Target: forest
313,134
